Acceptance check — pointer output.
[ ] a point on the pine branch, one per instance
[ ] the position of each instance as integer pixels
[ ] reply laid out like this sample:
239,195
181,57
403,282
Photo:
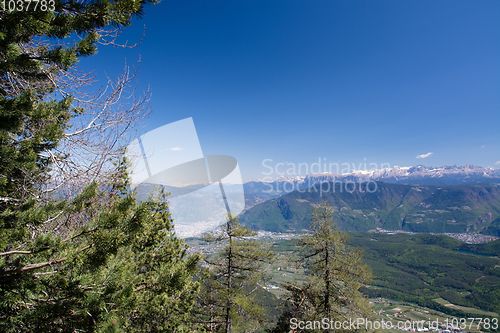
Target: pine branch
24,252
33,266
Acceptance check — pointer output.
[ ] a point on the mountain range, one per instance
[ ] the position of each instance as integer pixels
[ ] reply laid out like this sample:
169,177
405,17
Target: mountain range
464,208
414,175
421,199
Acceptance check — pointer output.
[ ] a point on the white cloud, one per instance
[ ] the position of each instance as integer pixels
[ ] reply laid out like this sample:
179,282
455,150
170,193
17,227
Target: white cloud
424,155
497,162
175,149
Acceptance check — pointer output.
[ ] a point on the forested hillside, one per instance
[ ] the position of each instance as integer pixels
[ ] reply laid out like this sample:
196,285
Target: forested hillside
363,207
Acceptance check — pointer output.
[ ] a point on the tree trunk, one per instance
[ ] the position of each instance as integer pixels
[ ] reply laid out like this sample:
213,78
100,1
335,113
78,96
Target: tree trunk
229,276
327,282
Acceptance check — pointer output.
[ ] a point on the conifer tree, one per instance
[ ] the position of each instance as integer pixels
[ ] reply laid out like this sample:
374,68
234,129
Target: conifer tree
335,273
124,270
98,260
226,302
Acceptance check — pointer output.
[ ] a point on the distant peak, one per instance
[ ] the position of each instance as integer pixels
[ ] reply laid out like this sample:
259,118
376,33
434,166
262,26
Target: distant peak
396,172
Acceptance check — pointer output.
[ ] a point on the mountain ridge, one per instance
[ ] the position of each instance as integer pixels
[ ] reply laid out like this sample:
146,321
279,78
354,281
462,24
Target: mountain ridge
414,175
449,174
465,208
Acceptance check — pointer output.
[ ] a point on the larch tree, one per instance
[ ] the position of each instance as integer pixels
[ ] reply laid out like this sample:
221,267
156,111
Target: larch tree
226,302
335,273
78,253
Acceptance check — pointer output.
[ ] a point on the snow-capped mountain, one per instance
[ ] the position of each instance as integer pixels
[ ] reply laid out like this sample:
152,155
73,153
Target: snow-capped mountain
414,175
445,174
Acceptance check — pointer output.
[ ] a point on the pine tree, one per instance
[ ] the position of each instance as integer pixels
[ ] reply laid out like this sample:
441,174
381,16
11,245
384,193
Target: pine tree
226,302
123,270
38,82
335,273
96,261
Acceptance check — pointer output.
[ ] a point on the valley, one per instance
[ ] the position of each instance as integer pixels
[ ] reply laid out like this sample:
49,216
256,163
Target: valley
415,275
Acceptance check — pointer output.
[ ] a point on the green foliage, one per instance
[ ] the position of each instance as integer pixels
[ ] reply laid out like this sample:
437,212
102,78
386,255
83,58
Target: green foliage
335,274
124,269
32,120
98,261
493,229
466,208
35,103
419,268
490,248
227,302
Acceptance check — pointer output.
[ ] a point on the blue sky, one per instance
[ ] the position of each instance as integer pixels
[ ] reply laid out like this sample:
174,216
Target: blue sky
345,81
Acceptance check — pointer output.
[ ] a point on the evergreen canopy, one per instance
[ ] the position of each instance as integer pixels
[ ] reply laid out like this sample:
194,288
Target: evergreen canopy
97,261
